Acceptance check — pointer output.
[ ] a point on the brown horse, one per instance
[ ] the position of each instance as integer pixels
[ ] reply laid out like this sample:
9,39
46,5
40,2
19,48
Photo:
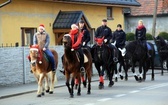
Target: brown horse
71,65
41,69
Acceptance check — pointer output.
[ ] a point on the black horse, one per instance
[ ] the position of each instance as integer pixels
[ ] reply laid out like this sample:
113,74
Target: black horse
162,48
103,57
136,52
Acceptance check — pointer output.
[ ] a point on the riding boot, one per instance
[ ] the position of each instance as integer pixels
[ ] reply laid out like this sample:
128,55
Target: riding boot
62,71
115,54
82,69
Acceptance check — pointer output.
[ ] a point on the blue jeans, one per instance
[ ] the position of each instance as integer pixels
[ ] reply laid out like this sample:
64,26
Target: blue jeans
51,58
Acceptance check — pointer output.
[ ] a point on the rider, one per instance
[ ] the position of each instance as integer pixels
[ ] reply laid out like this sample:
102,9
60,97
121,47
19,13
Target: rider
86,34
105,31
140,34
76,38
119,36
42,39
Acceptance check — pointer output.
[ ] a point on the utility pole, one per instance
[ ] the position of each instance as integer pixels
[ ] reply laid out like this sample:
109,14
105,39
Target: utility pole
154,18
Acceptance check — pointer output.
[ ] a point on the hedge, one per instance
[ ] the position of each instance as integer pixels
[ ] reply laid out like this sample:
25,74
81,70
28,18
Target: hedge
164,35
130,36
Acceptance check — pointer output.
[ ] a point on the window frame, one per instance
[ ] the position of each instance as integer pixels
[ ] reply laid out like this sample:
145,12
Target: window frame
109,13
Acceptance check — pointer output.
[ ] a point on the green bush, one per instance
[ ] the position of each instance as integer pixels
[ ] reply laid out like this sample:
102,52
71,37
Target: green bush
130,36
149,36
164,35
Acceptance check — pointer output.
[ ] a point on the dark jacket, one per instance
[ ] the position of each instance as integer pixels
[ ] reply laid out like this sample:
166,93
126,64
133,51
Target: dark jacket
140,34
86,35
120,37
104,31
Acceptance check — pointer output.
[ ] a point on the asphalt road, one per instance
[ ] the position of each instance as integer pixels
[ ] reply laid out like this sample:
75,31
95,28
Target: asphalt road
122,93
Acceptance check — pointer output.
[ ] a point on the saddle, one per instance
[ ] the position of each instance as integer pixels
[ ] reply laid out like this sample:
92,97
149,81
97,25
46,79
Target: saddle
85,57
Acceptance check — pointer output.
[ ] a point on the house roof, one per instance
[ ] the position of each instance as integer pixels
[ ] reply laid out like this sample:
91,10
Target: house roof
65,19
101,2
147,8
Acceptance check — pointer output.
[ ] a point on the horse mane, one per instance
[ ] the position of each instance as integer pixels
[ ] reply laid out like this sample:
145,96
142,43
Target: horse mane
162,40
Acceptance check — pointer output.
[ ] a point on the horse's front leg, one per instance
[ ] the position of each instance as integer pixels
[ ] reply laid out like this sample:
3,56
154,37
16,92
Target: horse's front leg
111,70
40,85
67,81
79,84
101,78
72,87
52,83
144,71
133,70
161,61
140,71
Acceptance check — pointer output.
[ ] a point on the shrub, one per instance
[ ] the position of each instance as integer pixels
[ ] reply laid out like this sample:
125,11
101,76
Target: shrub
149,36
164,35
130,36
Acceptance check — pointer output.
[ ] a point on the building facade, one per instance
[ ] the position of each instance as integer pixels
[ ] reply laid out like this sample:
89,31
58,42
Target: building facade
20,19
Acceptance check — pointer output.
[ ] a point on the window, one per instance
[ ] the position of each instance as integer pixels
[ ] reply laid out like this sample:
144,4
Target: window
27,36
109,13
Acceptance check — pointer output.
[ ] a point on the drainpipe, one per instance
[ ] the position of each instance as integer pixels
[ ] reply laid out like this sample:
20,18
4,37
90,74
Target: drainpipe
5,3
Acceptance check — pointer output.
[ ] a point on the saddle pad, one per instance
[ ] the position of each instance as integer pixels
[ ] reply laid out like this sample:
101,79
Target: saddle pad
85,58
149,47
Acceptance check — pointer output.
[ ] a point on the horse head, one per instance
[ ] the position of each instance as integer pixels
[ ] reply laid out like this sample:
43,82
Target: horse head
99,41
67,42
160,41
34,54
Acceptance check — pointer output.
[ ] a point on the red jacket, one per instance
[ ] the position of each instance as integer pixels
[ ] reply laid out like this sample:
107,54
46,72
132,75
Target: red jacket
73,33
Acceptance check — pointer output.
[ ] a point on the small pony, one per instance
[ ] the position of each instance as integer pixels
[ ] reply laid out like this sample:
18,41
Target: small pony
41,69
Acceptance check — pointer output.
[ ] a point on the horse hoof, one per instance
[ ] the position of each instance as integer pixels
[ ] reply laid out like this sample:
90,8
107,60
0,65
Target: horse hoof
111,84
88,92
39,95
136,78
121,77
78,94
116,79
126,79
101,85
51,92
47,91
152,79
72,96
140,79
43,93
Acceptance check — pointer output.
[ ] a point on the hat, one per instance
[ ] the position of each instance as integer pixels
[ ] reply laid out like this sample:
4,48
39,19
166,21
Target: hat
41,26
119,25
81,21
104,20
74,26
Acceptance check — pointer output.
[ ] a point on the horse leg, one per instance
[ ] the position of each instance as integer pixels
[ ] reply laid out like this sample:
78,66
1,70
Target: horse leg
153,74
40,85
161,61
67,82
47,88
116,72
52,83
79,85
144,71
140,71
89,75
101,78
133,70
84,79
111,73
120,70
72,86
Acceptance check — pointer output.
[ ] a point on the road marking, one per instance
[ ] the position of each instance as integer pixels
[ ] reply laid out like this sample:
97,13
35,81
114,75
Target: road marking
90,104
134,91
155,86
104,99
120,95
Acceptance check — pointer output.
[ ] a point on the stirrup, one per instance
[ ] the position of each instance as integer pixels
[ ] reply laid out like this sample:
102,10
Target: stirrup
82,69
115,59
